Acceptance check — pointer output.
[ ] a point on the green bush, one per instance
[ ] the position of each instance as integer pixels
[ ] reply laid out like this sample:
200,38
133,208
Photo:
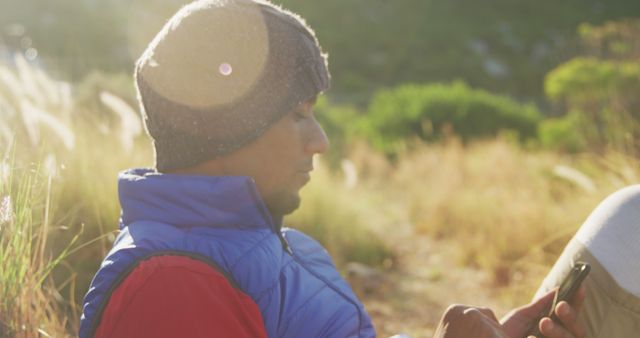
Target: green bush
601,86
583,81
430,111
562,133
604,93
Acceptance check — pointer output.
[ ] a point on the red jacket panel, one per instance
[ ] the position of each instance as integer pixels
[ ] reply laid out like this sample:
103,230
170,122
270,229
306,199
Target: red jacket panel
177,296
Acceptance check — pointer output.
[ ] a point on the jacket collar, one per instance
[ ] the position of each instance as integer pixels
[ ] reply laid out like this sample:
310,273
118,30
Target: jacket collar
191,201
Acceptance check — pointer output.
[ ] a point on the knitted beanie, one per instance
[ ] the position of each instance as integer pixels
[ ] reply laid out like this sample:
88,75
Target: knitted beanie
220,73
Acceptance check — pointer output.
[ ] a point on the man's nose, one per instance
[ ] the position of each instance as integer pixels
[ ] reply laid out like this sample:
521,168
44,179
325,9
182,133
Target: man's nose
317,141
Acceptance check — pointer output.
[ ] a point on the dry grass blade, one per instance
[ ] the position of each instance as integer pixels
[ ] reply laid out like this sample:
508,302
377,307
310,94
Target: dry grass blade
28,81
34,117
130,125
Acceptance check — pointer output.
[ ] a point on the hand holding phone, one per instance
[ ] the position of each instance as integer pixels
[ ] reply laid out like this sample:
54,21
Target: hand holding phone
565,292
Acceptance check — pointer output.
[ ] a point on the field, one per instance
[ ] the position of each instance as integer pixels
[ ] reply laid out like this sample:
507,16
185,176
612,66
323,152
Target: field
478,225
478,222
490,191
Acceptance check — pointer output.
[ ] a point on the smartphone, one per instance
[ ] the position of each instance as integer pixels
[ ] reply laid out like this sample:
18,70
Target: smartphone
565,292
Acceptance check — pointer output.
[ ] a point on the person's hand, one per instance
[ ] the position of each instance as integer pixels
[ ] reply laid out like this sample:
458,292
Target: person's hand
518,322
461,321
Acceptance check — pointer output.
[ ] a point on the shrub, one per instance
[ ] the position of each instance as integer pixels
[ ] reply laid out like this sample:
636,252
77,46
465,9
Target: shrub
429,111
602,86
582,81
562,133
604,95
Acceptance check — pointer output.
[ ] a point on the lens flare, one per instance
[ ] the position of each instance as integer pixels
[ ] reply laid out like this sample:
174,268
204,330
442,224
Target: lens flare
225,69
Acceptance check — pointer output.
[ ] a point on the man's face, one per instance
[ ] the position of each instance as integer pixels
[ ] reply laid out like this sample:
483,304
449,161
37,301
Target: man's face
281,159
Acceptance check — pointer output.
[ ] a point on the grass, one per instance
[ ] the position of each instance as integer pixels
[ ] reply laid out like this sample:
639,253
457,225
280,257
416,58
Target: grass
347,221
505,210
83,136
26,263
502,209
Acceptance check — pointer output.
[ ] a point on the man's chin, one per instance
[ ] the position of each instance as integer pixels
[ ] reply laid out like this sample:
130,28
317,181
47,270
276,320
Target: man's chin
282,204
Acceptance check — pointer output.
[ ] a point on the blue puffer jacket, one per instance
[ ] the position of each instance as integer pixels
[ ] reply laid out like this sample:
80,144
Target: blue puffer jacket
222,219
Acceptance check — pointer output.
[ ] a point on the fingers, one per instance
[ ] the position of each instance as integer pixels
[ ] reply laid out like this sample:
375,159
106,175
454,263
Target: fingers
517,322
550,329
569,327
486,323
488,313
467,321
568,316
540,305
578,298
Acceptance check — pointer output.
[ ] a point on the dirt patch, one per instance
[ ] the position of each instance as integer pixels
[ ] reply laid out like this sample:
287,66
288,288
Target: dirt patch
411,297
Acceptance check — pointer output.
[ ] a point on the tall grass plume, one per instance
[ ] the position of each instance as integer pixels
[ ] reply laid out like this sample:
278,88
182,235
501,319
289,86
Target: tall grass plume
30,303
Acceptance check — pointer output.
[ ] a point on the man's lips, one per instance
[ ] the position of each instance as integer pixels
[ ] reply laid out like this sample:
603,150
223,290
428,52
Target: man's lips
305,174
307,168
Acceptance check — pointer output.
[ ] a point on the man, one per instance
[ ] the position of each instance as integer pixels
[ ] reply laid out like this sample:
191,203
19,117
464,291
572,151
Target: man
227,89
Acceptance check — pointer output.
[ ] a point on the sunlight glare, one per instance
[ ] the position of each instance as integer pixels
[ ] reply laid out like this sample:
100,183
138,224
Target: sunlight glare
225,69
205,79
